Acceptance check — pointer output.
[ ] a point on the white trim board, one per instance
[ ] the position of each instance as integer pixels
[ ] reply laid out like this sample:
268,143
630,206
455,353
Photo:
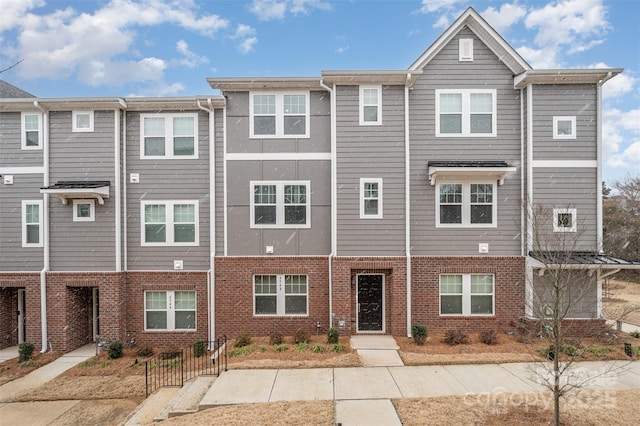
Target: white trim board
564,164
274,156
21,170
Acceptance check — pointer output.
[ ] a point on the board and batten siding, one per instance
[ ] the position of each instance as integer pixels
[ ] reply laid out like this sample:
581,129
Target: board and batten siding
444,71
370,151
167,180
572,100
11,152
85,156
14,257
550,189
238,116
246,241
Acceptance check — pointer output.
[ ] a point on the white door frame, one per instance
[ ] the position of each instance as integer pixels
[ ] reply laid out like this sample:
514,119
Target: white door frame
96,312
20,310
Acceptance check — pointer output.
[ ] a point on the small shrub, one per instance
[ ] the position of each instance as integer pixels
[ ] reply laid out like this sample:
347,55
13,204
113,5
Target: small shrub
116,350
456,337
301,347
419,334
145,351
489,337
25,351
318,348
89,362
199,348
635,350
635,334
569,349
28,363
599,352
262,348
300,336
276,338
243,351
281,347
333,335
242,339
338,348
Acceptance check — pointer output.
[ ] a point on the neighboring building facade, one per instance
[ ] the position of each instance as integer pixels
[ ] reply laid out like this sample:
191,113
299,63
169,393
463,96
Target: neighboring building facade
364,200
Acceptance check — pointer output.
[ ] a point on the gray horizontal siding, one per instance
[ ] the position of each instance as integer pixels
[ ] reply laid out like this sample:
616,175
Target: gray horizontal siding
14,257
85,156
578,288
577,100
245,241
11,152
219,182
238,117
446,72
370,152
550,189
167,180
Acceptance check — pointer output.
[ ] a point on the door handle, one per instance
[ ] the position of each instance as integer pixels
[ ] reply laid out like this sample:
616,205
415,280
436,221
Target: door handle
358,308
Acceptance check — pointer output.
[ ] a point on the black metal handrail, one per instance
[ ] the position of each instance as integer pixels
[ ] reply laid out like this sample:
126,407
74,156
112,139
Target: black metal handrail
173,368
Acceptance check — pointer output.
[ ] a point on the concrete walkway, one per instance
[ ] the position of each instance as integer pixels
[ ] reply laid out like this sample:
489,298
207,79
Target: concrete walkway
625,327
8,353
45,373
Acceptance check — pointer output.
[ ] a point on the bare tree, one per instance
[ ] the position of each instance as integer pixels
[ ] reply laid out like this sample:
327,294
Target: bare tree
11,66
562,296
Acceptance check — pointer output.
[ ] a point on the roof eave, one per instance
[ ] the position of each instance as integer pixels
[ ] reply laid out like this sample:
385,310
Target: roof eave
265,83
565,76
390,77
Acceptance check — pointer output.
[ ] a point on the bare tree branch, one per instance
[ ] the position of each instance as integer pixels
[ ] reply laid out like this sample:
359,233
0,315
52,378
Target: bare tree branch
12,66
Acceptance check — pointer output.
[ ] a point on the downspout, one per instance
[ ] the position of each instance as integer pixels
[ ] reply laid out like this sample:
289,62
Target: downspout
599,212
212,221
118,217
224,179
407,199
523,176
45,226
125,261
529,204
334,197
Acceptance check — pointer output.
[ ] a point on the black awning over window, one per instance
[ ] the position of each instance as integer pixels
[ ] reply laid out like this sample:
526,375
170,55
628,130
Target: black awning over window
66,190
469,170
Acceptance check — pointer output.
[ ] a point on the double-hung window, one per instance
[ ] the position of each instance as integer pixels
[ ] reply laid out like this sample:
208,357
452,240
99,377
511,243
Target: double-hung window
82,121
280,294
370,198
167,223
466,294
279,115
169,310
280,204
31,130
466,204
370,105
32,223
468,113
169,136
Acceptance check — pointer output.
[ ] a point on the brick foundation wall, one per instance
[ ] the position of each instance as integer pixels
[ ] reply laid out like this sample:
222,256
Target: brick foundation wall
9,284
234,295
394,269
509,291
139,282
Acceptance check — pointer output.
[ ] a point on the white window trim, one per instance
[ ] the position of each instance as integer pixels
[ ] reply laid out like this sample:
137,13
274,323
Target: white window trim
364,181
169,223
280,296
23,136
466,113
465,44
171,311
466,204
556,119
466,297
280,115
378,105
92,216
75,127
279,203
40,205
168,137
572,228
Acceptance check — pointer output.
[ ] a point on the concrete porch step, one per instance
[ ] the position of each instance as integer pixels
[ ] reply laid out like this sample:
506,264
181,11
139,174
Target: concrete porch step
377,351
188,398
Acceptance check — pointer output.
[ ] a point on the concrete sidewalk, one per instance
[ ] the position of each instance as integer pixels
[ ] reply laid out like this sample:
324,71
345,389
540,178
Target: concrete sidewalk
8,353
47,372
364,393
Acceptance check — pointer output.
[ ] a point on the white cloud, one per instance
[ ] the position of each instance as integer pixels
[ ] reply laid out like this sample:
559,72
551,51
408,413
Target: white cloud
13,12
341,50
429,6
505,17
267,10
247,44
619,128
98,46
618,86
544,58
629,158
190,60
247,38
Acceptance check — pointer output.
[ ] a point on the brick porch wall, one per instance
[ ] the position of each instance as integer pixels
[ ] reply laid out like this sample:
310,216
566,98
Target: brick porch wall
139,282
394,269
509,292
10,283
234,294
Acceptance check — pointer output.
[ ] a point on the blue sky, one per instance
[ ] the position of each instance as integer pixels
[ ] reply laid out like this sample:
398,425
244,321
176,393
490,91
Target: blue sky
78,48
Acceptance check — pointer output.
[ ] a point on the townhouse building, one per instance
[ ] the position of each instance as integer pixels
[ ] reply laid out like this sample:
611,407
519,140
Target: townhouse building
363,200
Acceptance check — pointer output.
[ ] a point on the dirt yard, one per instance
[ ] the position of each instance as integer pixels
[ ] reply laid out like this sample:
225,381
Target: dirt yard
621,297
108,390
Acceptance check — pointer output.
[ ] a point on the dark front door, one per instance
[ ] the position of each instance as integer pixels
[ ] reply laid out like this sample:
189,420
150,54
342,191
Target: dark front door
370,306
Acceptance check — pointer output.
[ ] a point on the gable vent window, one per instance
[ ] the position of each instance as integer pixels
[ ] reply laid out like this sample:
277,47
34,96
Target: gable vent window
465,52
